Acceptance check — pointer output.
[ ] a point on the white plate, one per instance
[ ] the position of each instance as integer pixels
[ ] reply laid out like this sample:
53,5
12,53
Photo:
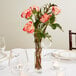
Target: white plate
66,55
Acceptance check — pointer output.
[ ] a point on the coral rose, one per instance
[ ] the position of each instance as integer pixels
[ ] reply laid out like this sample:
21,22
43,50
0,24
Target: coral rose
29,27
45,18
55,10
26,14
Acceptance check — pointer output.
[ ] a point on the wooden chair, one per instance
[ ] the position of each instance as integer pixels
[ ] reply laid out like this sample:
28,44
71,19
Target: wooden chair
72,35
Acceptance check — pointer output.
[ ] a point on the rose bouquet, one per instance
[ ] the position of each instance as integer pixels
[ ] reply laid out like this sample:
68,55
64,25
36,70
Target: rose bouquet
38,21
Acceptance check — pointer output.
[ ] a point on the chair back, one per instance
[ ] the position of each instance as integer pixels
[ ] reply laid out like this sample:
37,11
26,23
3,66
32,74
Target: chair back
72,40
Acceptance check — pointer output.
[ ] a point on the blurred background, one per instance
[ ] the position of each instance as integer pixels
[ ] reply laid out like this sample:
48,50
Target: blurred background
11,23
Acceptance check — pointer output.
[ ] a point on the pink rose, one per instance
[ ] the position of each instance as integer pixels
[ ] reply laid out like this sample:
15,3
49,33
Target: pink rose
29,27
55,10
26,14
35,8
45,18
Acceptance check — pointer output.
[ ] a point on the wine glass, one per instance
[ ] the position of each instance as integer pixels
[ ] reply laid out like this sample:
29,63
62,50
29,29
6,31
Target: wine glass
2,46
56,61
46,43
18,61
3,56
55,64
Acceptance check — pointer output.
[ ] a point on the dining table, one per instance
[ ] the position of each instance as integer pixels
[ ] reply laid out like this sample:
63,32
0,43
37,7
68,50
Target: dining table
66,67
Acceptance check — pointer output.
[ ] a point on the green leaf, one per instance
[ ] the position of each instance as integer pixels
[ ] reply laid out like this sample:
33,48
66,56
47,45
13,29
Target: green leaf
36,23
47,35
52,19
41,34
53,26
58,25
34,11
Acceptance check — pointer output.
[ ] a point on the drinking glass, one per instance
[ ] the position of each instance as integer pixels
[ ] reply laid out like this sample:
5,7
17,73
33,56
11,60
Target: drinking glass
55,64
56,60
3,56
18,61
46,43
2,47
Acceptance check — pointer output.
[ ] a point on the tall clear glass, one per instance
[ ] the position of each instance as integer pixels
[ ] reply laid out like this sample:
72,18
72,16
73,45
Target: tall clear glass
2,46
2,54
19,60
46,44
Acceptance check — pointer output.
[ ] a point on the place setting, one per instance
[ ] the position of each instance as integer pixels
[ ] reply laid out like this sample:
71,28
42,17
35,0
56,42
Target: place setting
65,55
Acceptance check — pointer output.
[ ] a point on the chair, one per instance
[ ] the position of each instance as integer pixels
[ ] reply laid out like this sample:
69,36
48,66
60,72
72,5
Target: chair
72,40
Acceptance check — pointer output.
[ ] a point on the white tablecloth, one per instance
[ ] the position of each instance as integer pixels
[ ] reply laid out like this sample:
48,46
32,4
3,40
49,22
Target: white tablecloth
69,68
